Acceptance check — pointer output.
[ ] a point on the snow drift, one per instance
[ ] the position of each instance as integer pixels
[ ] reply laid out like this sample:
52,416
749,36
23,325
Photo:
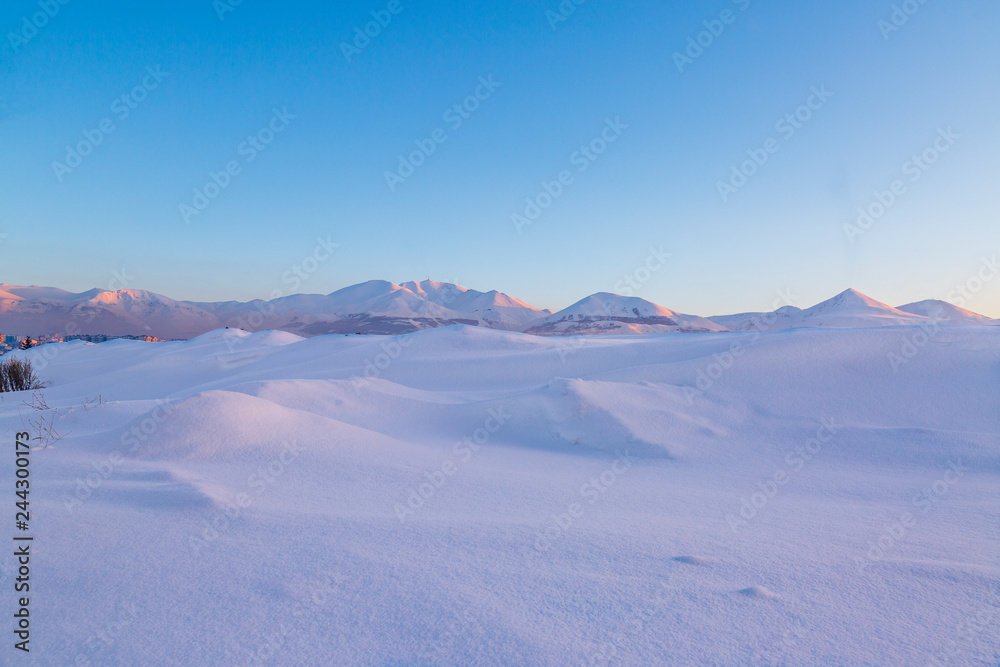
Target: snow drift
471,496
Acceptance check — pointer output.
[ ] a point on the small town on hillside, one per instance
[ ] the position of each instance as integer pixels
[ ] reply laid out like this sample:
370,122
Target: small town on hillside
9,343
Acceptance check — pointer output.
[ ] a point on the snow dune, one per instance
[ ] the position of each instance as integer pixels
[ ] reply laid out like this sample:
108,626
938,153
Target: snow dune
465,495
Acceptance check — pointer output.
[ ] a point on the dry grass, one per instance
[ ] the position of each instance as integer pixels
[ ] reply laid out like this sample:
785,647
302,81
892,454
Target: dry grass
18,375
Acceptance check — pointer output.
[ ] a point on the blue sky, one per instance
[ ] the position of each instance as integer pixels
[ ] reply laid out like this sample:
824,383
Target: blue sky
344,122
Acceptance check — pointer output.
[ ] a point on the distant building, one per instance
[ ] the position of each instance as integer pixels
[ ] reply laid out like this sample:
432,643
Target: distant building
90,338
103,338
10,343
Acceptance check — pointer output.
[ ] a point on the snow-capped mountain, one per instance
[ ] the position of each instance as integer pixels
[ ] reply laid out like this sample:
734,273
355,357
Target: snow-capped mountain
945,312
783,318
379,306
605,313
374,307
851,308
144,312
498,310
36,293
37,310
382,307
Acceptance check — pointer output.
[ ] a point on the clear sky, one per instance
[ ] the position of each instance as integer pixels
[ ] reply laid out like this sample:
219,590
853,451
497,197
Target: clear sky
346,115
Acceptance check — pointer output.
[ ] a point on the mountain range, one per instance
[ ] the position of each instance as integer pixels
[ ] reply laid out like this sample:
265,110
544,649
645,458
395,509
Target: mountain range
852,309
382,307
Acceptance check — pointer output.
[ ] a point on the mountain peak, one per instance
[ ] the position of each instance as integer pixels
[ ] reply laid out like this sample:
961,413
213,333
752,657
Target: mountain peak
852,298
607,313
380,306
852,295
943,311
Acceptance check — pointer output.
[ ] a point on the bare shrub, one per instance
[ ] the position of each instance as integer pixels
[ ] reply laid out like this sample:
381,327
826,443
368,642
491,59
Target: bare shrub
18,375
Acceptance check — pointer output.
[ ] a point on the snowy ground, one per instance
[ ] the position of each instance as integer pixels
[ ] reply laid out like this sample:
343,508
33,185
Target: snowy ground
813,496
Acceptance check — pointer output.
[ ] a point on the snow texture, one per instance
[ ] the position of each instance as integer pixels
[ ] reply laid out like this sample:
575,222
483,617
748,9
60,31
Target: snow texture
466,496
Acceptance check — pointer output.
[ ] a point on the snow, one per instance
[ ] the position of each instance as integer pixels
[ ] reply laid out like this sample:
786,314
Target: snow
427,300
376,306
464,495
383,307
35,292
605,313
852,309
943,311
